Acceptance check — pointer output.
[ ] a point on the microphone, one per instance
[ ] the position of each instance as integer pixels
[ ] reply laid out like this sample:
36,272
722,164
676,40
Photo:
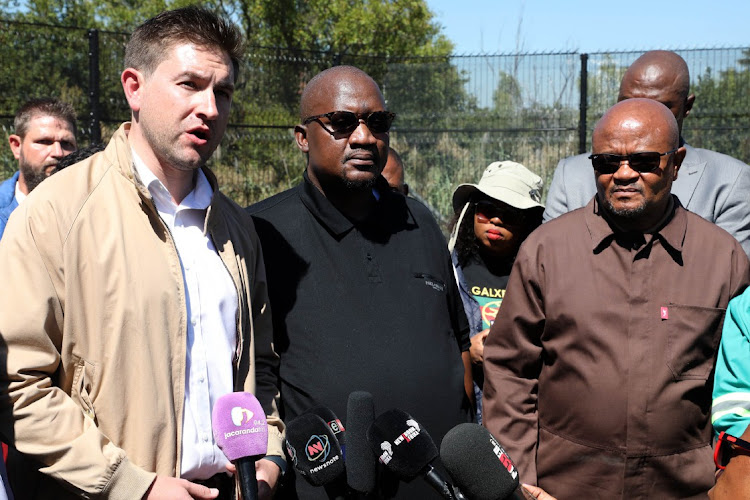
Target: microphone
479,465
406,448
333,423
314,449
241,432
361,464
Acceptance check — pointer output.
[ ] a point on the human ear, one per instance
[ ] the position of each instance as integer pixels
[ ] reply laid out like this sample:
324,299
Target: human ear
679,156
689,100
300,135
132,84
15,145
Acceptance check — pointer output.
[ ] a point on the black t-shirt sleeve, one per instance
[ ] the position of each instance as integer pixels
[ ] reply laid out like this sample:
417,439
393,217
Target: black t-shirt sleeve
459,322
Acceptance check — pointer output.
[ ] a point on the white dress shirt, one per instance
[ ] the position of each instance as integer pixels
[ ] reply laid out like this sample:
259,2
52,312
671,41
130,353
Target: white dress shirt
212,304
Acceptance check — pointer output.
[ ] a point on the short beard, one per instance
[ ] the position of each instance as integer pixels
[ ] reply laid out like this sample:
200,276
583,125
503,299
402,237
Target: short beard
360,185
625,213
30,175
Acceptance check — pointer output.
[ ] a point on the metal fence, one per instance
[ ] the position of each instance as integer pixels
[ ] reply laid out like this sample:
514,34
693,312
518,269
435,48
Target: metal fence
455,114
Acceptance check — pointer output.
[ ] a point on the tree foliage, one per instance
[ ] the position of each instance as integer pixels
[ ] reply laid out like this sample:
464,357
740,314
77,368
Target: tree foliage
289,42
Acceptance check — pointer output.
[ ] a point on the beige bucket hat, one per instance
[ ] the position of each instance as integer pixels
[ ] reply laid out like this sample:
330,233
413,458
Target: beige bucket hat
507,181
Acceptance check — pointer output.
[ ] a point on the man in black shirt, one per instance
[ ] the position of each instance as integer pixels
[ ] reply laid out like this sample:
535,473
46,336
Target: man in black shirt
359,276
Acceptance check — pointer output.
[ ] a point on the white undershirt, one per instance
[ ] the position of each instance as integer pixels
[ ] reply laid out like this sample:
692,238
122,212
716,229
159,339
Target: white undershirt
212,310
20,196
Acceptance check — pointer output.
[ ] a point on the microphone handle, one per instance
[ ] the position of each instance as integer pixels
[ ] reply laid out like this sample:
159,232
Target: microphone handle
434,479
246,477
337,489
521,493
457,493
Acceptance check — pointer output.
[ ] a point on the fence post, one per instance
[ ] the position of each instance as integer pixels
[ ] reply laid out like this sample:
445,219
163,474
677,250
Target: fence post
584,102
96,133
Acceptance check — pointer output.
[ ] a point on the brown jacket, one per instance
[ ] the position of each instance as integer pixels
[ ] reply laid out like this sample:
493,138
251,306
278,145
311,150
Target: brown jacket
597,367
93,330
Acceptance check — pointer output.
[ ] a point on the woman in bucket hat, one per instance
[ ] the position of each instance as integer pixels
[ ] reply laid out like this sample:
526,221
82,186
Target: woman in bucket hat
492,219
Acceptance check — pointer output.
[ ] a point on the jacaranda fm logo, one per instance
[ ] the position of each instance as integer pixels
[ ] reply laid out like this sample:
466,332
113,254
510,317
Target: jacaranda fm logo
317,448
241,416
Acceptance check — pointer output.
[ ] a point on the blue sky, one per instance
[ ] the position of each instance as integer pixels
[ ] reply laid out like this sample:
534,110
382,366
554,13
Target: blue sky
484,26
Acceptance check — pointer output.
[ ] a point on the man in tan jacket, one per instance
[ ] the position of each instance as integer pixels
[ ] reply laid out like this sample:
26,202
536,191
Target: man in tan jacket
134,293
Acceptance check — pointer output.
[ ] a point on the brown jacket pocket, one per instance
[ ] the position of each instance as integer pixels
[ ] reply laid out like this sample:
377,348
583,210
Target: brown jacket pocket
693,335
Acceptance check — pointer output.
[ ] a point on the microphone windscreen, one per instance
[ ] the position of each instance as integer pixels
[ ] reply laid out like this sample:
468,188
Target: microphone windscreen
314,450
239,426
361,464
332,421
401,444
478,464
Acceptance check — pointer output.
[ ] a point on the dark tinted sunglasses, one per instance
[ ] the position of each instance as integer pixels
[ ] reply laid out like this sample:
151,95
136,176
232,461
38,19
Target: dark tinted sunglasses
647,161
345,122
728,446
485,211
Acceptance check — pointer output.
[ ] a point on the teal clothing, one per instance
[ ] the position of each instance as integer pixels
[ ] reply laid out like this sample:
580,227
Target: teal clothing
730,410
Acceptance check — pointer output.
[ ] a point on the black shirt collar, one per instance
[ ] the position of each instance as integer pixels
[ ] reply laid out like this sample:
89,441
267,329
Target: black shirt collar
390,212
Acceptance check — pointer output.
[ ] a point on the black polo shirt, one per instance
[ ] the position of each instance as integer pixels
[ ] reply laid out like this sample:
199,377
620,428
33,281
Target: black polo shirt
371,306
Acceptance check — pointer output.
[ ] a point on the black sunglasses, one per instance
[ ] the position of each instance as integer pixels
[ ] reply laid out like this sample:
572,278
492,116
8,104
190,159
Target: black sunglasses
345,122
648,161
486,210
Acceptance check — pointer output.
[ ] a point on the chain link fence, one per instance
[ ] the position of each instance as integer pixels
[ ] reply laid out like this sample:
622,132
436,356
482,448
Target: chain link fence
455,114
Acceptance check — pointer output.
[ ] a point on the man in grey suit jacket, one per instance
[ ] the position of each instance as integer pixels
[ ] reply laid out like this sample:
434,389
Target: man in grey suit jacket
712,185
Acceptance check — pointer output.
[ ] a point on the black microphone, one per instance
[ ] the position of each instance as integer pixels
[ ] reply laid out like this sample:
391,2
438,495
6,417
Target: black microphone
241,431
479,464
333,423
361,464
406,448
314,450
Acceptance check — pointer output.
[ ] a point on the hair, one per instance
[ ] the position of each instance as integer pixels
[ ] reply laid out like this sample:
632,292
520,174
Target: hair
78,155
196,25
45,106
467,243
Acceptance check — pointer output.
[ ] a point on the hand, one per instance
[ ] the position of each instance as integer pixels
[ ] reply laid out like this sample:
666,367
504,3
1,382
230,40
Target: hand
537,492
267,474
477,347
172,488
734,482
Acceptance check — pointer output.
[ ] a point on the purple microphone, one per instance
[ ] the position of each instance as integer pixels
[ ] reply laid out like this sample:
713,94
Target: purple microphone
241,431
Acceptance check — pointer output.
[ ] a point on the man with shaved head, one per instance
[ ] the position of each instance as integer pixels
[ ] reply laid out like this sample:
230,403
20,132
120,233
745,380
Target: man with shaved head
394,172
360,278
713,185
597,366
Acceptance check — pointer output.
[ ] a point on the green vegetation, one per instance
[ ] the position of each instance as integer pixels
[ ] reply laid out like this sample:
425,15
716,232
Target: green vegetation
455,114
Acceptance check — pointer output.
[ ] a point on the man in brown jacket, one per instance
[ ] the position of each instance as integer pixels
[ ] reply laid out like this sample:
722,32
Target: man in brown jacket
134,293
597,366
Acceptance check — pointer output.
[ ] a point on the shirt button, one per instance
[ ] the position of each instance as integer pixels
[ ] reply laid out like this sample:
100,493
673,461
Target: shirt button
201,380
205,437
193,321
